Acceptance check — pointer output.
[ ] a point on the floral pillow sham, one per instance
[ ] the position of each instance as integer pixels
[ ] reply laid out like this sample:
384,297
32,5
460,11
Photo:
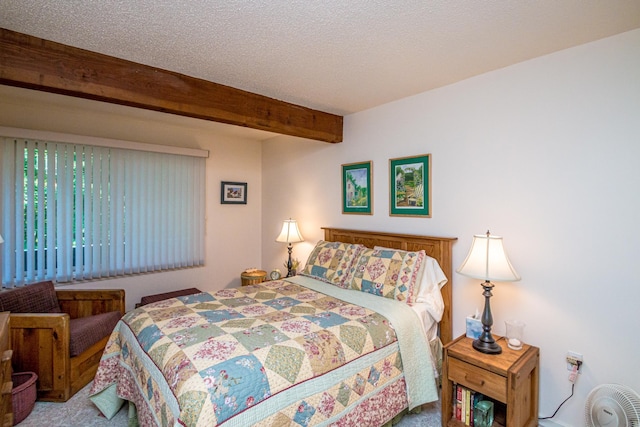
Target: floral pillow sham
390,273
330,262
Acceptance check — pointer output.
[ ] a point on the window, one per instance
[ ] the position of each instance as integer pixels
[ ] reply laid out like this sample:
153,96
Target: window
77,212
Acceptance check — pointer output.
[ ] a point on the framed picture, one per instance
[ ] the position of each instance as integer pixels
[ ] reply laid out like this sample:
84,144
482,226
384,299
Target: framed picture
410,185
357,188
234,193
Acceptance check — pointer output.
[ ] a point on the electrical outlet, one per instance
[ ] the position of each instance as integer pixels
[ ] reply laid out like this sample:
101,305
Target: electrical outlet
573,359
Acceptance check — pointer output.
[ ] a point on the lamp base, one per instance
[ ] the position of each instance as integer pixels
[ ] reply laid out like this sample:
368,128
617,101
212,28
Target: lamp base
488,346
290,270
485,342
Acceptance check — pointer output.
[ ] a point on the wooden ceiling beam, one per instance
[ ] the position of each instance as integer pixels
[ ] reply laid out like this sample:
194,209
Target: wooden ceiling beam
34,63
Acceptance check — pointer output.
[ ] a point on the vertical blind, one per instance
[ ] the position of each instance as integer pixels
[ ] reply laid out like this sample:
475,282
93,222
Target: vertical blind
77,212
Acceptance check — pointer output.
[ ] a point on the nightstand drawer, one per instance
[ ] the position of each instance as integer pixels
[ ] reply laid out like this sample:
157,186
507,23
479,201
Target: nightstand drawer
478,379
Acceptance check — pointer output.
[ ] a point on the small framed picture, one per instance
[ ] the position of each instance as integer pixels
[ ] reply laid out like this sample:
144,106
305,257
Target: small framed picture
410,186
357,188
233,193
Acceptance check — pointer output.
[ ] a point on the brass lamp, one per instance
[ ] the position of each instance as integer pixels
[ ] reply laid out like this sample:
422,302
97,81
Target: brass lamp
290,234
487,260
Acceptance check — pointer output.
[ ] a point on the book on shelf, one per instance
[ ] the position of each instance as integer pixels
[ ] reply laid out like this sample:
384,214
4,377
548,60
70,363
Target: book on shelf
457,401
468,406
464,401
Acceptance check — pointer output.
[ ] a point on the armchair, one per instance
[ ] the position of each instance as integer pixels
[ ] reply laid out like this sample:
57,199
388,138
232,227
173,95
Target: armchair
60,334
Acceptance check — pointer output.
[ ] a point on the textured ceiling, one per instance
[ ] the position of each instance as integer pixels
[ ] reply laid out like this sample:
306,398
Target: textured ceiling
332,55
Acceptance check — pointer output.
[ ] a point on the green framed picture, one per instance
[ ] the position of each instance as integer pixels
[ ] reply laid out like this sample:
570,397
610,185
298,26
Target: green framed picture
410,185
357,188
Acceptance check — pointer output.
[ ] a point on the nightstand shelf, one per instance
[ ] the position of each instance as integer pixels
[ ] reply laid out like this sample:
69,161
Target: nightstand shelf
509,379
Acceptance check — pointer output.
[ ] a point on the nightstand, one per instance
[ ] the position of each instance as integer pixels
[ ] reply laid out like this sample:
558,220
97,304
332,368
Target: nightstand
509,379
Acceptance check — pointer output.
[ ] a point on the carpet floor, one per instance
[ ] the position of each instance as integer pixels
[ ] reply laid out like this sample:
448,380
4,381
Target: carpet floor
79,411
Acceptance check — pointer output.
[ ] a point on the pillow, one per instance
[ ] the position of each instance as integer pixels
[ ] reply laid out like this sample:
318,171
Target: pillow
431,278
390,273
330,262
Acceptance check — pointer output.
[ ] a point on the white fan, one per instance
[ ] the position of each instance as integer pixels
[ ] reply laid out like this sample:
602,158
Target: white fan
612,405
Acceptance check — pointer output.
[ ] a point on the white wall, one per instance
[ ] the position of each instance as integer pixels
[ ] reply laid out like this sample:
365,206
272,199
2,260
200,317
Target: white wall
544,153
233,232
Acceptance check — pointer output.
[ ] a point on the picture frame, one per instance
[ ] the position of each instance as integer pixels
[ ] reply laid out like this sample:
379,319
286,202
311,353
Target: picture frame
410,186
233,193
357,188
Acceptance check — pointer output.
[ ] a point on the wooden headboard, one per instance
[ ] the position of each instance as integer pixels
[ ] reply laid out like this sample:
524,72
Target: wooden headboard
436,247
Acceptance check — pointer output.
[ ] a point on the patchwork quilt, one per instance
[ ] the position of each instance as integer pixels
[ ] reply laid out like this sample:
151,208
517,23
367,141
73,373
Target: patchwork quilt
294,352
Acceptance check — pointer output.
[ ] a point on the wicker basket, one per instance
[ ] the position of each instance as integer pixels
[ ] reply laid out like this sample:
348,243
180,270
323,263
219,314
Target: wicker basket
253,277
23,395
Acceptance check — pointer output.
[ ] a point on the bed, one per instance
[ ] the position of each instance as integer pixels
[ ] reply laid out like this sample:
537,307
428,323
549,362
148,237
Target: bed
307,350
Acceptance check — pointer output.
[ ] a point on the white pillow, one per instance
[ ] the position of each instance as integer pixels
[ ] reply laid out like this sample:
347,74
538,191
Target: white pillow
433,278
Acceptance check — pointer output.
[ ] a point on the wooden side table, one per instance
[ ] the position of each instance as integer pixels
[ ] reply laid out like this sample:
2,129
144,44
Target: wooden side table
510,379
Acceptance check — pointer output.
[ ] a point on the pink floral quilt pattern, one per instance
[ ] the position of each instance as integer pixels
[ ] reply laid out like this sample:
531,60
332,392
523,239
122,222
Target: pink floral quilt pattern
222,353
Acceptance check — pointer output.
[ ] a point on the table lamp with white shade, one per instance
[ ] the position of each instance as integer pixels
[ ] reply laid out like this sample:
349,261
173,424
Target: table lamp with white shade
487,260
290,234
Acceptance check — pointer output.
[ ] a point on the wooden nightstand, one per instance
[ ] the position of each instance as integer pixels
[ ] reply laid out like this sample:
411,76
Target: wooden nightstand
509,379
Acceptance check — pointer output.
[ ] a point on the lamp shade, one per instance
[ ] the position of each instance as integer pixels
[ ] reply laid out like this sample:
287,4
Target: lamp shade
290,232
487,260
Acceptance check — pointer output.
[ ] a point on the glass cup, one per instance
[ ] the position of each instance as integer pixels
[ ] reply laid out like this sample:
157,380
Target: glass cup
483,414
514,334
